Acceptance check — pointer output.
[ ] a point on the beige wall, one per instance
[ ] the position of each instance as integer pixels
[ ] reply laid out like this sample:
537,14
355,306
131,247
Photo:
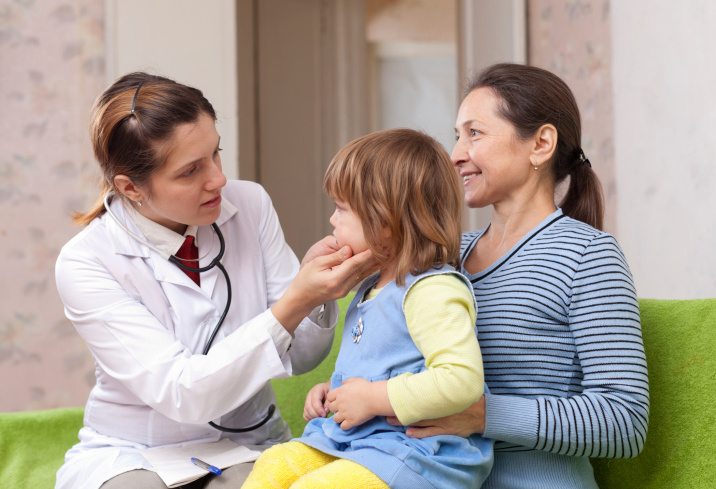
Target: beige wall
665,149
51,69
411,20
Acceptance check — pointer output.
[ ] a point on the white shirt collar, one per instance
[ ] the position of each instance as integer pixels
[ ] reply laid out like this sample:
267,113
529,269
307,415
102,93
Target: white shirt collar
161,237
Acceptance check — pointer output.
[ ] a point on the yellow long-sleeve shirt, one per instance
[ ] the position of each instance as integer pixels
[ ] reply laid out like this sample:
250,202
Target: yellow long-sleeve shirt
440,315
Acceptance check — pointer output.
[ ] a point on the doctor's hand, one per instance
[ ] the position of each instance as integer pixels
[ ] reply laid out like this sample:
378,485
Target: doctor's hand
324,247
359,400
323,279
316,404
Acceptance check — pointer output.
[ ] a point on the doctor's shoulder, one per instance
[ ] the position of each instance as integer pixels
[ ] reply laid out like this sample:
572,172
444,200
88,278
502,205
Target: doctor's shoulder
249,198
83,256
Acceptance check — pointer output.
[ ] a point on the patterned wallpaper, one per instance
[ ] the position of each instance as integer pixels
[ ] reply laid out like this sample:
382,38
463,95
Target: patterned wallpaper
51,70
572,38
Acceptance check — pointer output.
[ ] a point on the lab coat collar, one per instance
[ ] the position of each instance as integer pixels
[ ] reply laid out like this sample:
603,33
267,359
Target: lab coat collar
124,244
227,212
160,236
164,270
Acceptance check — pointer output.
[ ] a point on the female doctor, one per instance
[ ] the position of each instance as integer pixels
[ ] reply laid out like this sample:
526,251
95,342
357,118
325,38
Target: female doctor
147,322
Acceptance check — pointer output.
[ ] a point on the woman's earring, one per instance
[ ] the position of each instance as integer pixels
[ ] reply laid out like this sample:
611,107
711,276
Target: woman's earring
139,202
535,170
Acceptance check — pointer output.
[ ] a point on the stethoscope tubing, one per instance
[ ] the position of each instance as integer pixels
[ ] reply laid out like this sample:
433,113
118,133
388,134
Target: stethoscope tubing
216,262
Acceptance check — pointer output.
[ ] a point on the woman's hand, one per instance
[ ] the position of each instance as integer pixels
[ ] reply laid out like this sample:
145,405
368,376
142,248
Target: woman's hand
316,405
464,424
358,400
320,280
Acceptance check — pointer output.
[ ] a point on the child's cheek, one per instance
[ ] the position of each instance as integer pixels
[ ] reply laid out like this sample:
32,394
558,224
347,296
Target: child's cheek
359,246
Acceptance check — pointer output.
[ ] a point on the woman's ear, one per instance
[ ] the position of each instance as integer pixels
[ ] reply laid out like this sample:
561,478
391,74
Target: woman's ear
127,188
544,145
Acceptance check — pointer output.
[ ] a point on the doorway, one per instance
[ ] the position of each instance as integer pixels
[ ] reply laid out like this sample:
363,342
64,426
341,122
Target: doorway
315,74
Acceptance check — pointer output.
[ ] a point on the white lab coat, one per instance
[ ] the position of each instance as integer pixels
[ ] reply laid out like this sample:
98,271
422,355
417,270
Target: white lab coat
146,323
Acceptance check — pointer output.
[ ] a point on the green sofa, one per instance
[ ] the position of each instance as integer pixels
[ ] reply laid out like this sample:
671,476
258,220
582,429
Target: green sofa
680,342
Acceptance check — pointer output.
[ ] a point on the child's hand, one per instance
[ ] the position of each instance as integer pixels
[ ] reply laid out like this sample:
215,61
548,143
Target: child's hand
316,405
358,400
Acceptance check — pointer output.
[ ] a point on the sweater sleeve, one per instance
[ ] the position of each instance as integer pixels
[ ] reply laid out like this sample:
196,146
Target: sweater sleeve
440,316
609,418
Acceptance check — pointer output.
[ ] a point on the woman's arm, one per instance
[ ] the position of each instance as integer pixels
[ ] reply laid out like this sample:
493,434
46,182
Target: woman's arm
610,417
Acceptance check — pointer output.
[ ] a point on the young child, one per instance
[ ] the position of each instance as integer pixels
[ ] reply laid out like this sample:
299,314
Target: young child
409,347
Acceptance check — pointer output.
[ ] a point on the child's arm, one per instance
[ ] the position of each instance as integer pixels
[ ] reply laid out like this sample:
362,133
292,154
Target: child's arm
359,400
441,319
316,405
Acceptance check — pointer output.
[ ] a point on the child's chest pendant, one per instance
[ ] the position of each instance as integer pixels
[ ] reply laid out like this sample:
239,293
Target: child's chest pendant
357,331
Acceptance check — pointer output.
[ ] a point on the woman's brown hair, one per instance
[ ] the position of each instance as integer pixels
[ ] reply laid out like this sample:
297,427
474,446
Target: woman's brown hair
129,142
532,97
402,180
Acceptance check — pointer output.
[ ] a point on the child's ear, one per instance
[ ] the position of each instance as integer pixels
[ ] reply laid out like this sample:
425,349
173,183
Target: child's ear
386,234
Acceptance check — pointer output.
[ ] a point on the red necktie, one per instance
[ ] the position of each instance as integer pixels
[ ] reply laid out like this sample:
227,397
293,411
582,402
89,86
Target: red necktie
189,251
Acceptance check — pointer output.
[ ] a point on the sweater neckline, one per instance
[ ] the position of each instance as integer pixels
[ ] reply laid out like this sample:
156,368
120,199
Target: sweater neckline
480,276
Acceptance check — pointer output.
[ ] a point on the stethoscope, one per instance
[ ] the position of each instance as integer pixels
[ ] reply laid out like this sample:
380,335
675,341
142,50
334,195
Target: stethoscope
216,262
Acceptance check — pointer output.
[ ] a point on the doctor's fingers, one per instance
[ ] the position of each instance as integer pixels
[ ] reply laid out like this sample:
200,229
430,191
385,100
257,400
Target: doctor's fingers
324,247
355,269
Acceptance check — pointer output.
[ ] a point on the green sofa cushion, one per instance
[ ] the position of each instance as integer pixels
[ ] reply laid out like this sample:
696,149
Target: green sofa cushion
33,446
680,342
291,393
33,443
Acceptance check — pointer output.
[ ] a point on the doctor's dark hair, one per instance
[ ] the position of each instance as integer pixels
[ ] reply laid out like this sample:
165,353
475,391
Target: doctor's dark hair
402,180
130,143
532,97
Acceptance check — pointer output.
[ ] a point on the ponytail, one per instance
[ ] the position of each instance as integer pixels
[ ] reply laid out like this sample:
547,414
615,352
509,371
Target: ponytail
97,209
532,98
584,200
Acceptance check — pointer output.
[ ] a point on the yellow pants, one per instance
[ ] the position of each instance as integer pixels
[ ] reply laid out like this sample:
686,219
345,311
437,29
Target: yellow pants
299,466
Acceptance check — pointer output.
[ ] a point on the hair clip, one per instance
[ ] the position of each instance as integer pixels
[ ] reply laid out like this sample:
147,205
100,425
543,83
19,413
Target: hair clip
134,101
581,158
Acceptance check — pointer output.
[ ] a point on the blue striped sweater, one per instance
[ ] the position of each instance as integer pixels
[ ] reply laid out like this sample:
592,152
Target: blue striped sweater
559,329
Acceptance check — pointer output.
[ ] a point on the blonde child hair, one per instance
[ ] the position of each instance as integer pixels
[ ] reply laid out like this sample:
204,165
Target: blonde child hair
403,180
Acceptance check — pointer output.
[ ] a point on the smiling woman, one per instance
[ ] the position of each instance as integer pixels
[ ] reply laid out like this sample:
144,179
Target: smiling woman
558,318
149,324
